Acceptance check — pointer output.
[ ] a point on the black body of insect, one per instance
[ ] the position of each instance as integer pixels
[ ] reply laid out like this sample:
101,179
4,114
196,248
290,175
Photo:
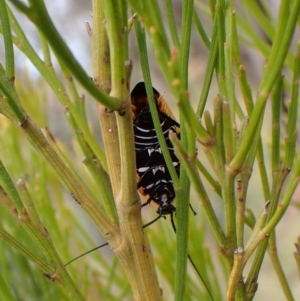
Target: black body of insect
154,178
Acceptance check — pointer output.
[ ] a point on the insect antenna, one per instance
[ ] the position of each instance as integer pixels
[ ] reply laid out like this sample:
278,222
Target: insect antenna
85,253
191,207
191,260
153,221
105,244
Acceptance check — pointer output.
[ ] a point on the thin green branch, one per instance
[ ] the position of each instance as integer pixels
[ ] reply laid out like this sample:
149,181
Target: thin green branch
46,51
150,14
274,66
74,185
242,189
262,17
240,211
29,205
116,28
188,143
201,29
102,78
272,251
105,196
200,190
172,23
256,146
220,19
261,164
8,42
277,186
38,14
235,275
259,256
209,70
229,141
290,141
256,230
219,147
54,82
276,125
297,254
229,66
215,185
39,235
187,17
9,188
280,44
46,268
7,88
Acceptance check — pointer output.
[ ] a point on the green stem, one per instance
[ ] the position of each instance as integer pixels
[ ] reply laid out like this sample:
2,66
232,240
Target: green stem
290,141
201,29
297,254
8,186
139,268
220,19
200,190
73,184
235,275
46,268
38,14
272,250
54,82
105,196
188,143
215,185
172,23
249,248
102,78
277,186
209,70
8,42
39,234
275,62
226,176
276,108
7,90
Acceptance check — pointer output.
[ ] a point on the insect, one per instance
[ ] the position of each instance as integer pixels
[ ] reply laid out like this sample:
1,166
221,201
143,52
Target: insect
153,176
154,179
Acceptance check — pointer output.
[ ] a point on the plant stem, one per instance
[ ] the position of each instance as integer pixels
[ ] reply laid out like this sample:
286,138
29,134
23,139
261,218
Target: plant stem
38,14
54,82
272,251
8,42
188,143
102,78
287,21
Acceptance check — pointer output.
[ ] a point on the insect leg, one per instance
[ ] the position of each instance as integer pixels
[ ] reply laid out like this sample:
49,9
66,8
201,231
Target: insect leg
195,213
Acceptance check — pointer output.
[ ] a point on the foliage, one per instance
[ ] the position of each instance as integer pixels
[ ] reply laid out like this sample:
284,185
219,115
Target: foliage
42,227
